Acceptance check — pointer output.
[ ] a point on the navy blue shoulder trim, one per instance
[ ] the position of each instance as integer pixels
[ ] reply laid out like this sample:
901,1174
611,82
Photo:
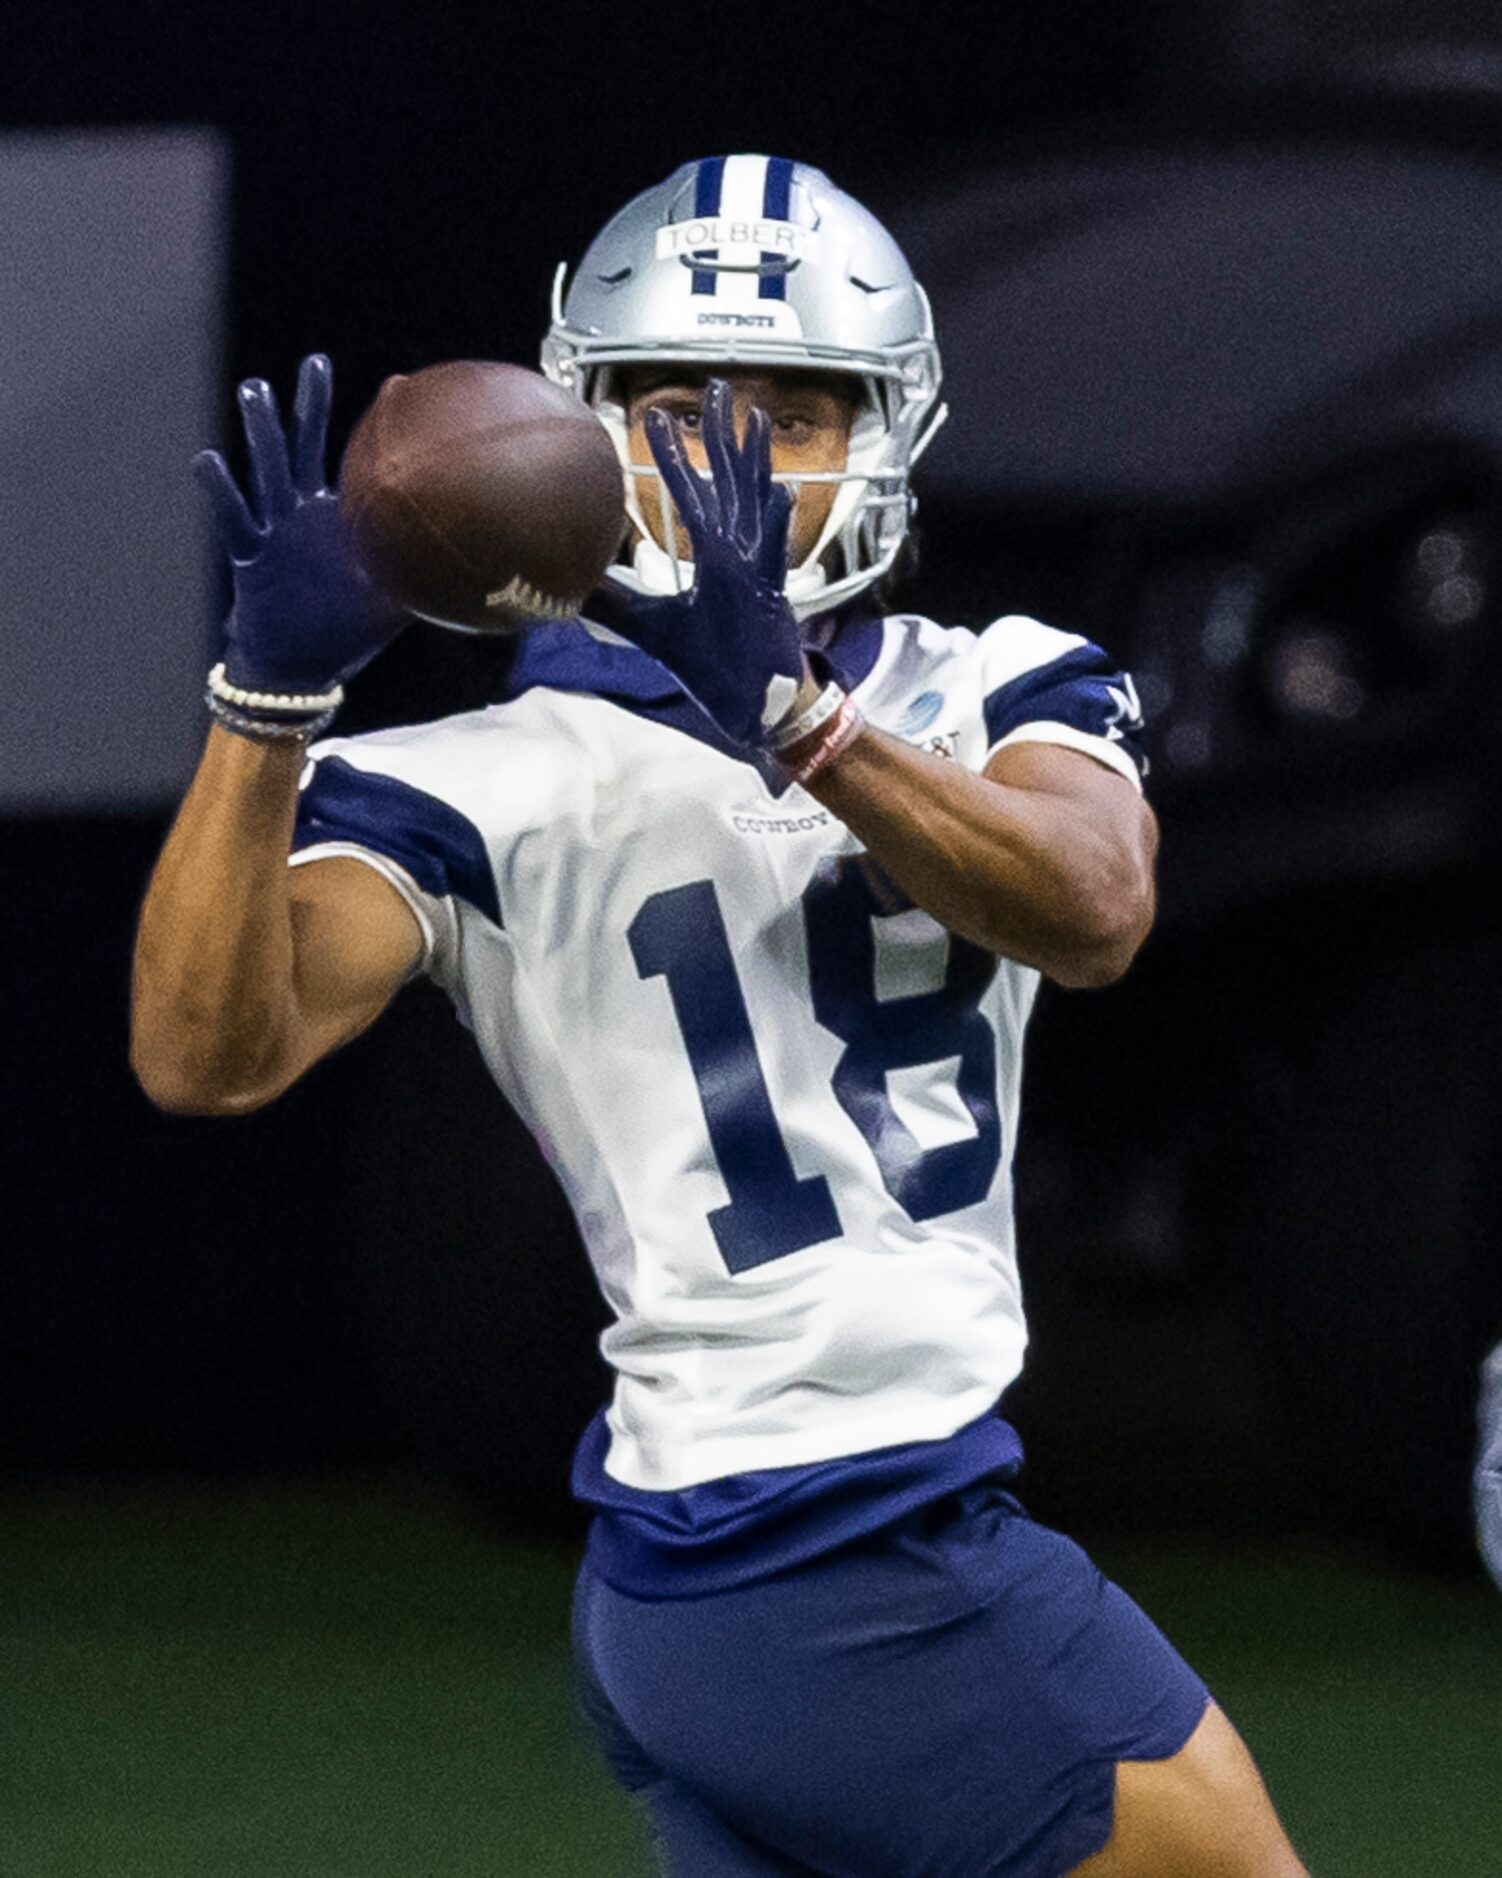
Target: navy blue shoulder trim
851,640
565,656
440,848
1083,689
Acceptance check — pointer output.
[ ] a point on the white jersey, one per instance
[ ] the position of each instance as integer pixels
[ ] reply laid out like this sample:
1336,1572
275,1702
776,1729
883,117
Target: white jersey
782,1101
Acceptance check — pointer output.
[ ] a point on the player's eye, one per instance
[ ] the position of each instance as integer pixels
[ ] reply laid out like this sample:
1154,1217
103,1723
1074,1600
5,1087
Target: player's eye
684,411
681,406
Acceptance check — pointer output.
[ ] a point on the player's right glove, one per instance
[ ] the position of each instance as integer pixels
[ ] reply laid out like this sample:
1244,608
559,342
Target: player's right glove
732,640
304,616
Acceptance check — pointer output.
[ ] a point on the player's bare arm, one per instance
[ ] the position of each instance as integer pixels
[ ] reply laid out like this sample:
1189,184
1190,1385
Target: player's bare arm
1047,857
246,972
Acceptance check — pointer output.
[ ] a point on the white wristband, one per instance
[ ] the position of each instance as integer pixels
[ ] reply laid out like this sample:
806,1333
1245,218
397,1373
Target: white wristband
814,717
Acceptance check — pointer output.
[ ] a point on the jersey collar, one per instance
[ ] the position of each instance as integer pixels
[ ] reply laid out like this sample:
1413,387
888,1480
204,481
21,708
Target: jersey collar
566,655
587,656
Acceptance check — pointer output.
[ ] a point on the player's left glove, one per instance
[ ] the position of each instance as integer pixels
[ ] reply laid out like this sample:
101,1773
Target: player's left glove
305,616
732,640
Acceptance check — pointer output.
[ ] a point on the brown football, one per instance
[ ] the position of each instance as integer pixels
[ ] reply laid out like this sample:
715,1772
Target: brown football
482,496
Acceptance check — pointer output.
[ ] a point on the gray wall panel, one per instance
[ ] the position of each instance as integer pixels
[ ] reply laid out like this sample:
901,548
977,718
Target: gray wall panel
110,334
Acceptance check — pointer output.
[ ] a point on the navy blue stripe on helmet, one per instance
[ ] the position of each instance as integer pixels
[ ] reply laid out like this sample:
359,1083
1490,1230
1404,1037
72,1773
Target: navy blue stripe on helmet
777,190
708,184
776,199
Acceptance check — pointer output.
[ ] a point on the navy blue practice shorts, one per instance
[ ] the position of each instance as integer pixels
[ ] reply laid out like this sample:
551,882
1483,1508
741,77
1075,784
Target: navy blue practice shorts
948,1697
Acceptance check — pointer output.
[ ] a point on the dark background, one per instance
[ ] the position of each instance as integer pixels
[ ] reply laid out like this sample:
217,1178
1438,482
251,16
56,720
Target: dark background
1257,1182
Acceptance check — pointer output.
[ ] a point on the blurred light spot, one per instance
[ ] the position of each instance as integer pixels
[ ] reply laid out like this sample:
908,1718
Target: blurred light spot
1225,639
1441,554
1312,677
1187,746
1228,621
1155,693
1456,601
1151,1227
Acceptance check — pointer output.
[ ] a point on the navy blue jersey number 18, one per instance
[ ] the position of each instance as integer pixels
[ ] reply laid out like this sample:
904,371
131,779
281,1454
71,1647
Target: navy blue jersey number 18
840,913
680,935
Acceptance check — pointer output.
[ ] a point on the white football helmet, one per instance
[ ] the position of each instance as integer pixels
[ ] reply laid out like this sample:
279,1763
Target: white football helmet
754,260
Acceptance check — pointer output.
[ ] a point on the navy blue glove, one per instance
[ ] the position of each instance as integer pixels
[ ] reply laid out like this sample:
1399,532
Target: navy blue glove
732,641
304,615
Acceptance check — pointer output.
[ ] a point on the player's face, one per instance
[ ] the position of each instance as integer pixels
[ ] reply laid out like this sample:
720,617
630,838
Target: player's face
811,415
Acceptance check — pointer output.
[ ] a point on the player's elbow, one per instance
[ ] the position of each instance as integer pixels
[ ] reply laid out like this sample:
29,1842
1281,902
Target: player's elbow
183,1082
1107,933
197,1099
1091,970
174,1092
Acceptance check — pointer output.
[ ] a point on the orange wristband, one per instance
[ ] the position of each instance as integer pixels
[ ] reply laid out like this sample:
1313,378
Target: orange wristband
840,732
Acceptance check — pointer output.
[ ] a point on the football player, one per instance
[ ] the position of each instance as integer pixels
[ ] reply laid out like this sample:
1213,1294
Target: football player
745,887
1488,1470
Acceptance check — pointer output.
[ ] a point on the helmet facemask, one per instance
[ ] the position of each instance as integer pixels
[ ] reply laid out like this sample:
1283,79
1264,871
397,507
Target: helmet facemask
860,537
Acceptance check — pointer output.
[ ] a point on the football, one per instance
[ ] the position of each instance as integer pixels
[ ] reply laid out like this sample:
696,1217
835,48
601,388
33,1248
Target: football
482,496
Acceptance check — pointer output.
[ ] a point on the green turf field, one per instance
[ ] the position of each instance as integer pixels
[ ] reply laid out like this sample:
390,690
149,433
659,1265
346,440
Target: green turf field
350,1682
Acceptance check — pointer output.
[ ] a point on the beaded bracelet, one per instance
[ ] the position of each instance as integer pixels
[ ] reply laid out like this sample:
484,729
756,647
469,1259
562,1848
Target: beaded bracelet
306,703
270,716
266,729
